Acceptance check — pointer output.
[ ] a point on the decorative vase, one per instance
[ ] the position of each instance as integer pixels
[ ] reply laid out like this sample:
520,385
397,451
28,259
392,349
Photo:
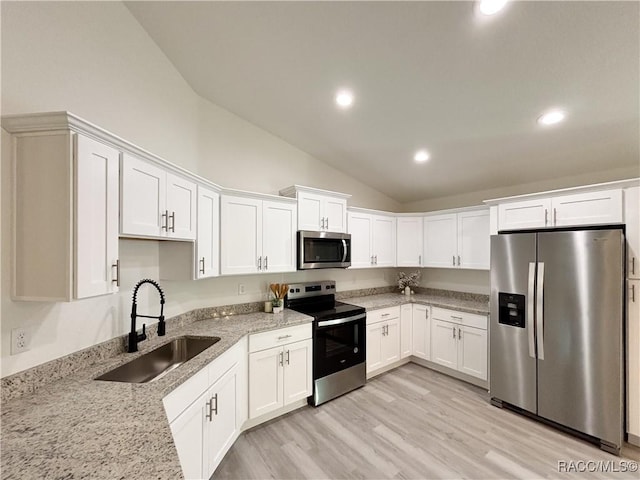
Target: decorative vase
278,309
407,290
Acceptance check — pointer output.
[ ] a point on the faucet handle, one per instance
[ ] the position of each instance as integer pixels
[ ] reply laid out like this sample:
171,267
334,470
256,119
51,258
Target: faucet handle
143,335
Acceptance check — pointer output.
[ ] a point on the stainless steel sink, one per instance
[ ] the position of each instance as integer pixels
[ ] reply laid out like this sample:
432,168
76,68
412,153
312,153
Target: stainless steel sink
157,363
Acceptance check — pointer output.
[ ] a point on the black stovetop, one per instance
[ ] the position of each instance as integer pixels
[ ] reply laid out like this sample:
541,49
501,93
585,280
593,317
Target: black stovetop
326,308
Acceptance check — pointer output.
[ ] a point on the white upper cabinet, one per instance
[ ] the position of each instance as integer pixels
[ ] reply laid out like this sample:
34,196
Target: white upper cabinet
155,202
66,188
457,240
409,241
208,238
257,236
585,208
632,221
319,210
373,239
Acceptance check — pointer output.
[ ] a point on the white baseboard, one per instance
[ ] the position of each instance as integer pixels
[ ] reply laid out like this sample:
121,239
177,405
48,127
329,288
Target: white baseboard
252,422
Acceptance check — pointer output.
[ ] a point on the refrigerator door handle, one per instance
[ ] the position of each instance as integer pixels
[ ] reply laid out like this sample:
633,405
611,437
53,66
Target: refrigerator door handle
539,311
530,318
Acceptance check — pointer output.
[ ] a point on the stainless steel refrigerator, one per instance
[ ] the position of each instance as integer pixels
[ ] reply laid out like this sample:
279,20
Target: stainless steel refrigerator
556,331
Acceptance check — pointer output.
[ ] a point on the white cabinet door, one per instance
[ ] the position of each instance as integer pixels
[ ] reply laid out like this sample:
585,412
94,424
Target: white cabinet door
384,241
472,351
208,241
374,346
240,234
421,332
278,237
588,208
143,198
181,207
406,330
266,381
310,211
440,240
220,420
188,436
409,232
96,233
444,343
298,371
632,232
633,358
360,228
525,214
335,214
473,240
391,341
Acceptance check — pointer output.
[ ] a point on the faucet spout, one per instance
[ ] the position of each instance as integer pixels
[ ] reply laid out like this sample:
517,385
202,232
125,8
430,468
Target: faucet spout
134,336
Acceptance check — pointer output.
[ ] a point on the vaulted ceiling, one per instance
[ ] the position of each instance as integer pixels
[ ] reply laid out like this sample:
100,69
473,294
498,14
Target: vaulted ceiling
432,75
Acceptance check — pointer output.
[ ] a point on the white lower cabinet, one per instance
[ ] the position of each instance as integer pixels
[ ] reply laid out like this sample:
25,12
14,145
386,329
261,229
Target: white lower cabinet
459,341
406,330
280,368
206,412
421,331
383,338
633,361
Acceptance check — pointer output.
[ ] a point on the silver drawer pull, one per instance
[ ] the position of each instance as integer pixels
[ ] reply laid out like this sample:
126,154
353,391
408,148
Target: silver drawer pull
282,337
457,318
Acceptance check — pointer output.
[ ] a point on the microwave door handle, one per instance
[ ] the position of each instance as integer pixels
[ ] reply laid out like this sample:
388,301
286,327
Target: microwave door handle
344,249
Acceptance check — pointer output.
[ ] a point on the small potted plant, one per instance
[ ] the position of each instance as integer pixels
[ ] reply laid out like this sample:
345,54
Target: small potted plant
407,282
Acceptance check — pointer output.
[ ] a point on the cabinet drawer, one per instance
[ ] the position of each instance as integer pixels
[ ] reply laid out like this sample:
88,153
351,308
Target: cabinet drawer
178,400
461,318
375,316
282,336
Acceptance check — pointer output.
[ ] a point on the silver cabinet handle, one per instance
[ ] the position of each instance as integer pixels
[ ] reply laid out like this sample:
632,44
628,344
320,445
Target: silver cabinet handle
345,250
281,359
426,313
458,260
453,331
453,260
457,318
371,259
117,267
173,222
633,265
266,264
633,293
259,263
555,216
327,223
165,223
282,337
546,217
215,409
419,259
385,314
376,259
202,263
288,351
459,333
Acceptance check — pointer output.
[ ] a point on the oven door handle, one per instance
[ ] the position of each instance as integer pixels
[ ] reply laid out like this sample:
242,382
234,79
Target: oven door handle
339,321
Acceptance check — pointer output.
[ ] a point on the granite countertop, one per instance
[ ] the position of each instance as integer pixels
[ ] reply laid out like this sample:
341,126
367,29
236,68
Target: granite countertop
469,304
77,427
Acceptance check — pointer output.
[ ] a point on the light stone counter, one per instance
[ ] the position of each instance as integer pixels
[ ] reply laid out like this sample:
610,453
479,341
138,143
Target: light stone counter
78,427
463,302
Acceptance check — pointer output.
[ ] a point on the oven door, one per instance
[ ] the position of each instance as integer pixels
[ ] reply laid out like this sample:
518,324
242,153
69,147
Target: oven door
338,344
323,250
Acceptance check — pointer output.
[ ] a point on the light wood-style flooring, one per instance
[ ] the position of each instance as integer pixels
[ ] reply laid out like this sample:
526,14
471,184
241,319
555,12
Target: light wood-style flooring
412,422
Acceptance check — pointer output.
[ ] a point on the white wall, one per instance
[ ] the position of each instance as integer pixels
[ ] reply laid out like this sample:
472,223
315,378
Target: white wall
94,59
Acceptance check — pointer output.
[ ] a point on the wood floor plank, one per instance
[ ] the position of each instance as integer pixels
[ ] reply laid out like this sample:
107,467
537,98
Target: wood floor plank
411,423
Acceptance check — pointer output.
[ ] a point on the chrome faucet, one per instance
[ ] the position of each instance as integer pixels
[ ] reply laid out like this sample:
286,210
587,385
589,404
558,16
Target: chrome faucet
134,336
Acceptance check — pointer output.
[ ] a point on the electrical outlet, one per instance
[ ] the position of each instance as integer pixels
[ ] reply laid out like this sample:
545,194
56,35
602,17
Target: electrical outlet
19,340
241,290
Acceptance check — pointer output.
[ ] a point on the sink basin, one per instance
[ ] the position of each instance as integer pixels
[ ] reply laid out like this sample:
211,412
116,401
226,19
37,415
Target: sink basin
157,363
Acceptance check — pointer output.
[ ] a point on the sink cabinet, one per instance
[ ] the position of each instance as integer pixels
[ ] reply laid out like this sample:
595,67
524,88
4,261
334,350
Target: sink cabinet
207,411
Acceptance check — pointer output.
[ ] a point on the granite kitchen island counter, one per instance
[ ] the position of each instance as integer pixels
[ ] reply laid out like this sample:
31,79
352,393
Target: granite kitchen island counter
78,427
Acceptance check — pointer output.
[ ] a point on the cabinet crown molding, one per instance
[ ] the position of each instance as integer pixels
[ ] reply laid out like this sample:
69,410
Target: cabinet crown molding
630,182
293,190
34,123
258,196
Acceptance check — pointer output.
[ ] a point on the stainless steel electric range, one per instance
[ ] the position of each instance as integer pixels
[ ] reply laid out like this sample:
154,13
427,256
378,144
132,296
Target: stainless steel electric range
339,337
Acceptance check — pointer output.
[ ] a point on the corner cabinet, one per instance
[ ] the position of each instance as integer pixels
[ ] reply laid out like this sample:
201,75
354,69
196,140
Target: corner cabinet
155,202
65,188
257,234
409,243
319,210
457,240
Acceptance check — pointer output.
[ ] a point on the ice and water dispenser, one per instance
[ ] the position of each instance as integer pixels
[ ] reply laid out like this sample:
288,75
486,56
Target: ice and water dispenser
511,309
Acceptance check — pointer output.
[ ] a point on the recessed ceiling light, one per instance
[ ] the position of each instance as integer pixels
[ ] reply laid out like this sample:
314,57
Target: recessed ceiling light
421,156
344,98
491,7
551,117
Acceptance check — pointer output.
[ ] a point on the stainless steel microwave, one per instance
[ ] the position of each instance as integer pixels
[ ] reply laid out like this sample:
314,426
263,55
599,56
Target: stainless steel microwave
323,250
